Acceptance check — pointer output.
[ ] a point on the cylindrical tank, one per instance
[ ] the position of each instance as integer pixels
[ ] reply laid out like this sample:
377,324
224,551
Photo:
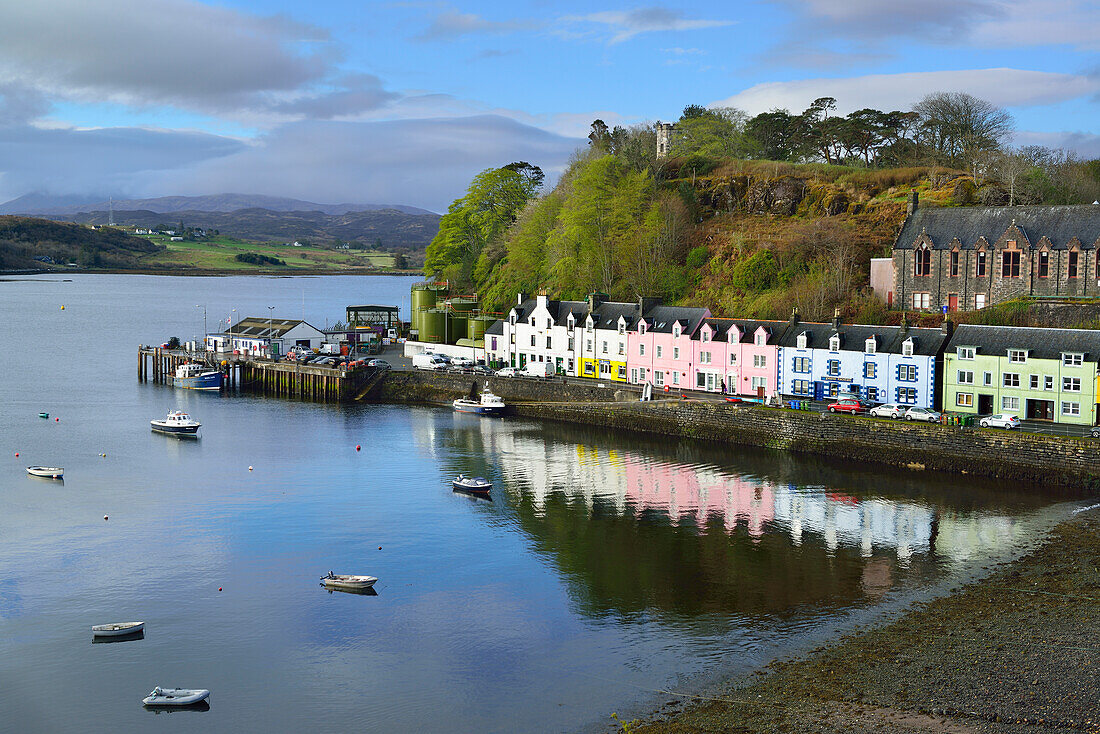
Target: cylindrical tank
457,327
476,327
433,325
423,298
463,305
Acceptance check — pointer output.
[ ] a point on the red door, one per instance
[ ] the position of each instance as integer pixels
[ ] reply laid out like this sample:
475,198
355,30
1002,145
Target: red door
953,302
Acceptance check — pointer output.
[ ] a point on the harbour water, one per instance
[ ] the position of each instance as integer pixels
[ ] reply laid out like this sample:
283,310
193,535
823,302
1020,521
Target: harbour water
605,568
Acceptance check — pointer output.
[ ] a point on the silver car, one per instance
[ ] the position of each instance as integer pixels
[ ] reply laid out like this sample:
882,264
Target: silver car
922,414
889,410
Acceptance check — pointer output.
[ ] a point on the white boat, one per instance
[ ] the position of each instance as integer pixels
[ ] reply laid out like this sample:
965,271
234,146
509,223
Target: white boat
117,629
177,423
489,404
477,485
347,581
50,472
175,696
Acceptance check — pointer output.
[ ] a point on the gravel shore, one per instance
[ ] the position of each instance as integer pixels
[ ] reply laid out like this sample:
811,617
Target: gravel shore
1015,652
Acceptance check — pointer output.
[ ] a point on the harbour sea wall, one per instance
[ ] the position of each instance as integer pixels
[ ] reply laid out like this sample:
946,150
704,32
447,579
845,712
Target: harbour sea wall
1023,457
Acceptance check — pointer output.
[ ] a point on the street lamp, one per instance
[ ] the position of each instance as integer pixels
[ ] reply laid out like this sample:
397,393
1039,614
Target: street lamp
203,307
270,327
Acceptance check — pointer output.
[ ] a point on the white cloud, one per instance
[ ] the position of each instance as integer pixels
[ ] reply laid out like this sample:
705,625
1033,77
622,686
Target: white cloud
1085,145
624,25
1002,87
451,25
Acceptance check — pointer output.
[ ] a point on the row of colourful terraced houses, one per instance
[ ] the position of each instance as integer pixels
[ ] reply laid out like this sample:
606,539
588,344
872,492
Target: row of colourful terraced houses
1042,374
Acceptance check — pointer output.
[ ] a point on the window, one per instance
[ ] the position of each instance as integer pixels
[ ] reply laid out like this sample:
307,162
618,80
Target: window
966,352
872,394
761,339
588,345
954,263
1010,403
676,331
832,368
906,395
1017,356
1072,264
704,357
800,364
676,352
979,301
588,369
549,323
979,264
870,370
832,389
759,361
1071,384
922,262
641,327
532,340
1044,264
1072,359
571,344
907,372
641,350
532,321
658,378
1010,379
834,343
622,372
987,378
512,318
605,347
701,380
800,341
570,323
622,328
907,348
1048,382
675,378
964,399
622,347
659,351
704,335
512,338
733,359
547,342
759,382
870,346
634,375
965,377
1010,264
800,387
922,300
1034,382
1071,409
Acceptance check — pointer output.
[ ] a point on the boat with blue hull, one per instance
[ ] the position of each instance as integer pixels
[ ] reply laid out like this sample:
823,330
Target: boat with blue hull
489,404
195,376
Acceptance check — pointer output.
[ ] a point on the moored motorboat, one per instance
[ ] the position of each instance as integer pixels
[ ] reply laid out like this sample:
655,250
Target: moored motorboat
49,472
476,485
175,696
117,629
43,415
195,376
178,423
347,581
488,404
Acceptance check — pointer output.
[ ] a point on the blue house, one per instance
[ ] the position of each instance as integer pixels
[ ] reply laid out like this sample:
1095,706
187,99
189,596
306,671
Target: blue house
885,364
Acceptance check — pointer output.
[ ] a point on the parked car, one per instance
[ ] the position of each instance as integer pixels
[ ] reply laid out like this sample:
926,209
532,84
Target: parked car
461,362
1000,420
847,405
506,372
379,364
326,361
480,369
888,410
1094,432
923,414
428,362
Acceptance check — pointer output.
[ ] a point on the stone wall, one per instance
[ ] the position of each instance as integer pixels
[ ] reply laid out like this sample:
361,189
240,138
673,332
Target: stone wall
422,386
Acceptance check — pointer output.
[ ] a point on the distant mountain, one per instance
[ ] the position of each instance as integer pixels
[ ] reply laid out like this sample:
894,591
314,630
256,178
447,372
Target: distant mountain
38,203
396,229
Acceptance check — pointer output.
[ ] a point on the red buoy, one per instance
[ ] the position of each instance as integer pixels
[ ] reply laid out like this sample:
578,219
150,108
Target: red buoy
219,588
56,419
357,447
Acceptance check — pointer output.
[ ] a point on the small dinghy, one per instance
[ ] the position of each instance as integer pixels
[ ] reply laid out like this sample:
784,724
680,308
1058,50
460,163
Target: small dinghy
476,485
43,415
49,472
175,696
117,629
347,581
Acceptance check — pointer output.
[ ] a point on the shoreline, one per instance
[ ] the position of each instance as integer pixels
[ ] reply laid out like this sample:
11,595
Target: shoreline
212,273
1012,652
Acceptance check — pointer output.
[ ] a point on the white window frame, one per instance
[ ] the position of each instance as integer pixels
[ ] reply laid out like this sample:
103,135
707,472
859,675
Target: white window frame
1072,359
641,350
1010,380
760,340
658,352
870,346
965,352
1017,356
834,344
1071,384
760,361
676,352
758,382
965,377
964,399
1010,402
979,301
800,341
1048,382
907,347
1071,408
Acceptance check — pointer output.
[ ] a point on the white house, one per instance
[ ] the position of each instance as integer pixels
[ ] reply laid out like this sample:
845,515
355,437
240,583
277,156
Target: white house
258,337
539,330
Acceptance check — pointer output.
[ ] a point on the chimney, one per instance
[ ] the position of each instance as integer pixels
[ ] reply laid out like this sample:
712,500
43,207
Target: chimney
836,318
903,330
645,303
520,298
542,299
911,206
595,300
946,328
794,316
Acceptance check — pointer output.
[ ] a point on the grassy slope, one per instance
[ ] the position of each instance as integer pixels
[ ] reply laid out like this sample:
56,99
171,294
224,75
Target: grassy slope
218,253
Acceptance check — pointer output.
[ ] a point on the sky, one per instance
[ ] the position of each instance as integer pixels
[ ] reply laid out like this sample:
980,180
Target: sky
355,101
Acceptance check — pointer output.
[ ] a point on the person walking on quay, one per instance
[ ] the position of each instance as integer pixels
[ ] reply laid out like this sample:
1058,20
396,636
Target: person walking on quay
722,385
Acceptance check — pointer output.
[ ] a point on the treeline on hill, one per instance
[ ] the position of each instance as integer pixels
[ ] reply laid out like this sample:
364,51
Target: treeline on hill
23,239
749,216
255,258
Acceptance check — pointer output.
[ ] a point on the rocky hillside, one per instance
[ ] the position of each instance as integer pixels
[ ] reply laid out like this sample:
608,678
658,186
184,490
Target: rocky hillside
33,243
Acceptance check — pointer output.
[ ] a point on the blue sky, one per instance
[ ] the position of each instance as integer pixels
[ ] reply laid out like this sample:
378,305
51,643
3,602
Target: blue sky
402,102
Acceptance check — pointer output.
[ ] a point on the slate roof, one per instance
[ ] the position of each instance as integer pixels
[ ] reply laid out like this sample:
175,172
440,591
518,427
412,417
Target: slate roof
606,315
661,319
1040,343
853,338
496,328
1059,224
263,328
748,329
579,309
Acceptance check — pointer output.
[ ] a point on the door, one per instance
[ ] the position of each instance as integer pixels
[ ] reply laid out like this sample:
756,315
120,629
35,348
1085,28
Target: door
985,404
819,390
710,382
1041,410
953,302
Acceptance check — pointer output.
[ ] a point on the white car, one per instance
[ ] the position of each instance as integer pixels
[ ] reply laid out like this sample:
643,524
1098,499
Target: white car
889,410
922,414
1000,420
507,372
462,362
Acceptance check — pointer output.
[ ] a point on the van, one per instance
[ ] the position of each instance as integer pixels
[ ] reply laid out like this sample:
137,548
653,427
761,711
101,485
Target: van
428,362
538,369
330,348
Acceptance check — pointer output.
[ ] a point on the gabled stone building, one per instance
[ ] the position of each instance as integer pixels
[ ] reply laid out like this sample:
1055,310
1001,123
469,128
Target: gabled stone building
970,257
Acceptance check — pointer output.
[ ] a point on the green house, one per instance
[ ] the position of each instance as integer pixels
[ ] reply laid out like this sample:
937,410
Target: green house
1033,373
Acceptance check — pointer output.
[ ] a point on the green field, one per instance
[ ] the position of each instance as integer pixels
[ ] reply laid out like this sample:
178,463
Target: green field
218,253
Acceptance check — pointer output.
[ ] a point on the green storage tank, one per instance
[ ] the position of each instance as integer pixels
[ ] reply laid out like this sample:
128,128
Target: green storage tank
462,305
423,298
433,325
457,327
476,328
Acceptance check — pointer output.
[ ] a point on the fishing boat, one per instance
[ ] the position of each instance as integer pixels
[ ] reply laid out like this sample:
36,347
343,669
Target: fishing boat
175,696
195,376
117,629
476,485
347,581
489,404
49,472
177,423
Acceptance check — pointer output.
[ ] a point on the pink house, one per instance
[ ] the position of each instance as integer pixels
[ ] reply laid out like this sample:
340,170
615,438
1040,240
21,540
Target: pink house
659,347
737,356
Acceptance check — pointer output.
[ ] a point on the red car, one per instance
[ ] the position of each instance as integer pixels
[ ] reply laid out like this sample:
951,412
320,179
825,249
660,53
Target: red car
847,405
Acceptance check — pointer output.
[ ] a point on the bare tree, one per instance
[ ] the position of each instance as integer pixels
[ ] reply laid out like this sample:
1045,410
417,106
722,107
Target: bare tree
957,126
1010,167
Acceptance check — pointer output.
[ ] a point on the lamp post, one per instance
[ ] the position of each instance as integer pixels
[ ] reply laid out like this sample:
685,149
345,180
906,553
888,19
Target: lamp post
270,327
203,307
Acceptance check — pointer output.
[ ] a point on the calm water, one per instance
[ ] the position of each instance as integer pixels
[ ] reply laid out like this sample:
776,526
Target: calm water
605,566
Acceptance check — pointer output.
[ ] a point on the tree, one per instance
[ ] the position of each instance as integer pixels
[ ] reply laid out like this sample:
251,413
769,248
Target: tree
600,137
715,133
771,133
955,126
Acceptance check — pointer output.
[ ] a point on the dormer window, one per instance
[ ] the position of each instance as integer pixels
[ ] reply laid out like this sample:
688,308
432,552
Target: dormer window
834,343
1017,356
761,339
549,323
532,321
704,335
800,341
588,324
907,347
622,326
641,328
570,322
512,318
733,336
676,331
871,347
